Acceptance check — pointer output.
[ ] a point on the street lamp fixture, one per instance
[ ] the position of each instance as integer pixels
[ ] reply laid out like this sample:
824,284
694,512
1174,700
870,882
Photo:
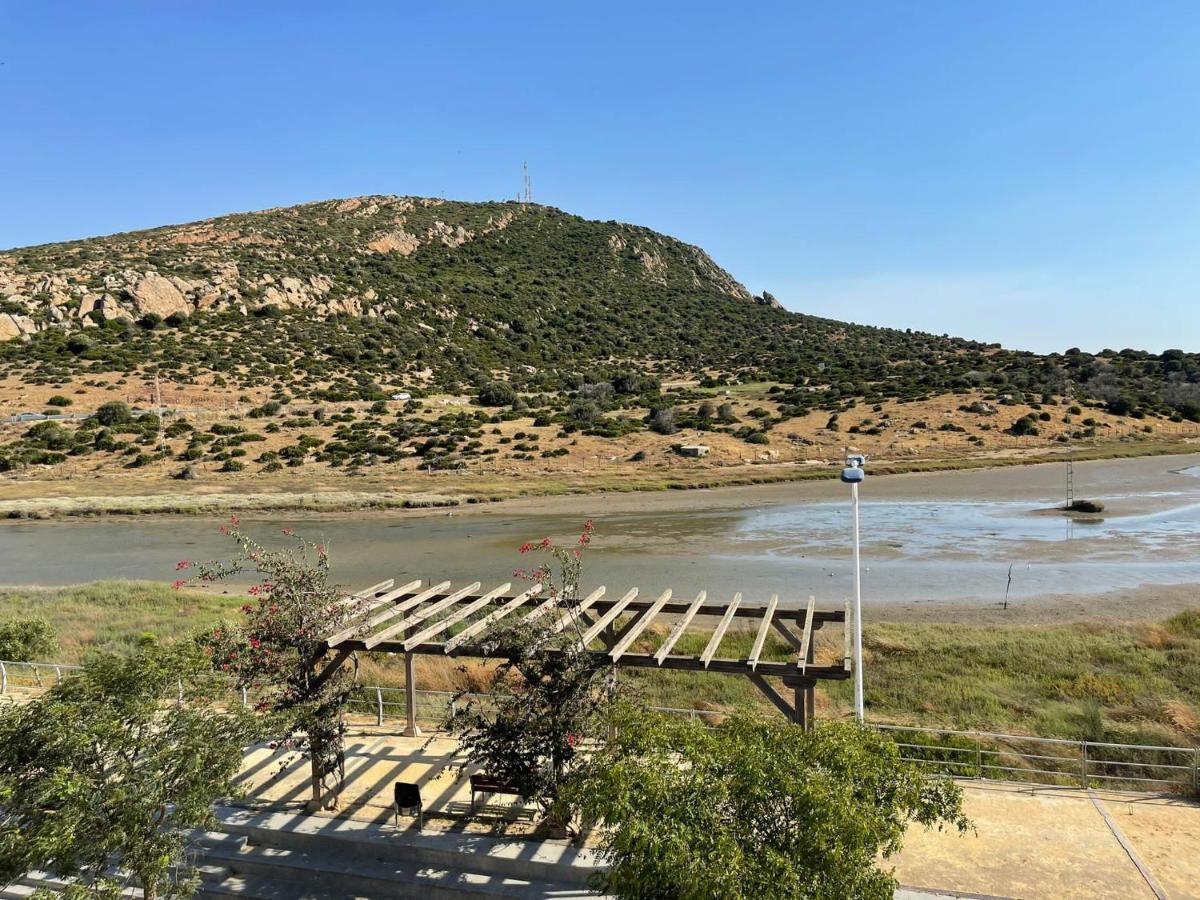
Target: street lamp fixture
853,475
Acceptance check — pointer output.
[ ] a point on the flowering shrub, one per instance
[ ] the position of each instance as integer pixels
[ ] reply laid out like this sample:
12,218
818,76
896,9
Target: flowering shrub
548,692
277,649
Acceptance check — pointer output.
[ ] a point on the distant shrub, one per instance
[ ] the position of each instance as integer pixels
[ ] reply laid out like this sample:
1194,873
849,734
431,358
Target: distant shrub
26,640
498,393
114,413
662,421
60,400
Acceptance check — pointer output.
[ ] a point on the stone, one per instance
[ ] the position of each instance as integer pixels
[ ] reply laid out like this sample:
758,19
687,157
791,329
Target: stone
8,327
155,294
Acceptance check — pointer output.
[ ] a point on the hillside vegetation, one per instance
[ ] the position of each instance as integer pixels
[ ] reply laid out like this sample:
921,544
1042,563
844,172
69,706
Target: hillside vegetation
505,312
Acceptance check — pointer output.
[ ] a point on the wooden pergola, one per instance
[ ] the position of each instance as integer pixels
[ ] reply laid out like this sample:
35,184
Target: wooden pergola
448,621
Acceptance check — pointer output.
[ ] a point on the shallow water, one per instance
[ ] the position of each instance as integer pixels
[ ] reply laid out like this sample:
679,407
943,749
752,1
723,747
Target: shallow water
912,549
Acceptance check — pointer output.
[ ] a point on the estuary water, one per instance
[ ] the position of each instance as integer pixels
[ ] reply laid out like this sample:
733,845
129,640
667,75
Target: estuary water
951,536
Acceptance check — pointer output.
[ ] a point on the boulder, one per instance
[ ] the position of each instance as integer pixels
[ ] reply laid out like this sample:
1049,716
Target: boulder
154,294
8,327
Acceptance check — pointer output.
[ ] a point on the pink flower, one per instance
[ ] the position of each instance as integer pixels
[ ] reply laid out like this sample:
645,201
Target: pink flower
182,564
246,607
176,585
545,543
255,643
289,531
234,520
321,549
526,547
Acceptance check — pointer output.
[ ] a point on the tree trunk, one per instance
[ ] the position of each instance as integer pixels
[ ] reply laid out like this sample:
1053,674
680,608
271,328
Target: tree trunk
149,886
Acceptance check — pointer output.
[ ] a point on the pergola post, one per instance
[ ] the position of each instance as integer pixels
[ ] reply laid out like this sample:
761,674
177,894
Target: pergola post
410,696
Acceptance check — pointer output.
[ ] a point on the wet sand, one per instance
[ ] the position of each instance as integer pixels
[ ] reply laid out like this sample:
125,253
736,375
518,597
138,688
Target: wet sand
1132,486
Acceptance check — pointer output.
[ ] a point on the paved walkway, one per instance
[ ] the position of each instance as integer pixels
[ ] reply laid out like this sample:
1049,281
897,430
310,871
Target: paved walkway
1048,842
1060,843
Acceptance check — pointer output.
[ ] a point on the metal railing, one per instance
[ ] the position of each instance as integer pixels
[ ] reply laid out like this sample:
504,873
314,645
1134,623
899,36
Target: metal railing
1052,761
988,756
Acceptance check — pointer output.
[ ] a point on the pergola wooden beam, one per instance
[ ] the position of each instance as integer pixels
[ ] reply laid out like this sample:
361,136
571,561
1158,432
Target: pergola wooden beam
715,641
491,619
417,617
438,627
605,620
680,627
761,638
581,607
402,607
383,600
806,637
373,591
631,634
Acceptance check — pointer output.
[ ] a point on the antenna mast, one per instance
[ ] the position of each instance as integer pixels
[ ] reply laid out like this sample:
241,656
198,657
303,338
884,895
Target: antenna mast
528,185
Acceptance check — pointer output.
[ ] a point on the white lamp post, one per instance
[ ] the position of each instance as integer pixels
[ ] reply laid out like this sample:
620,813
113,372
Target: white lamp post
853,475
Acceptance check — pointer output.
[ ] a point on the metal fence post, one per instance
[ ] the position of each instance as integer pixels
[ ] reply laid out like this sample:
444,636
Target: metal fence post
3,679
378,706
1083,768
243,697
57,675
978,758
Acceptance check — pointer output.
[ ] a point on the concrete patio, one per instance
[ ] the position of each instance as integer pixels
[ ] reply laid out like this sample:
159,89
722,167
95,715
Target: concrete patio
1048,842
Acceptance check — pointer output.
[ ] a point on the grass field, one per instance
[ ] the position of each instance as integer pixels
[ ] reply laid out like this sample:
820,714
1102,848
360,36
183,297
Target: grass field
1136,683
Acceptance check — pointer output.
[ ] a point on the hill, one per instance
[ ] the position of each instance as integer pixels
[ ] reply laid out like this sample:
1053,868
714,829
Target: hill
335,296
517,312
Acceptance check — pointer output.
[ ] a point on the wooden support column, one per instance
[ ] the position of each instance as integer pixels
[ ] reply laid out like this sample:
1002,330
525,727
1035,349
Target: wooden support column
810,692
800,707
410,697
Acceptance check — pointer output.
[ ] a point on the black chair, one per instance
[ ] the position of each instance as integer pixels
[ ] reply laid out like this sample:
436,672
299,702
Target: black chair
408,797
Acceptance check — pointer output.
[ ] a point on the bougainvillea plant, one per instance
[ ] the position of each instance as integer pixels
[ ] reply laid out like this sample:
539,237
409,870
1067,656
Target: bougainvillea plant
277,650
548,694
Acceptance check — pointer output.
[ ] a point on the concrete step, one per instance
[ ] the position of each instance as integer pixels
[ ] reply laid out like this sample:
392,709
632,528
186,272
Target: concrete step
35,881
548,861
298,873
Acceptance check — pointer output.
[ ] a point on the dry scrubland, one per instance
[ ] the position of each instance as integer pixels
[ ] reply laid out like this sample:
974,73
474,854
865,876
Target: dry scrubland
280,459
1136,682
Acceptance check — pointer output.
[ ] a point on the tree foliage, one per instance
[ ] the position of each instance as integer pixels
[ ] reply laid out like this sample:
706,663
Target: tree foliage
118,759
26,640
548,694
278,649
755,808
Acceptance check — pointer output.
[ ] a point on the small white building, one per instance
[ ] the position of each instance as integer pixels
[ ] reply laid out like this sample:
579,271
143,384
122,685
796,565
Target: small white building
694,450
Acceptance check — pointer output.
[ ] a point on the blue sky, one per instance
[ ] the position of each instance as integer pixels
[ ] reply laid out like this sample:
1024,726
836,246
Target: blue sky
1021,172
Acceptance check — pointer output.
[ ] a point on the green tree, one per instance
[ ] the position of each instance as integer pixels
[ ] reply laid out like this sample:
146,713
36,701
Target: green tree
26,640
498,393
112,761
756,808
114,413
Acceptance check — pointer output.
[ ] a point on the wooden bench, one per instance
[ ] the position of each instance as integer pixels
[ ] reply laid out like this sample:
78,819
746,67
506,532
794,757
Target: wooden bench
489,784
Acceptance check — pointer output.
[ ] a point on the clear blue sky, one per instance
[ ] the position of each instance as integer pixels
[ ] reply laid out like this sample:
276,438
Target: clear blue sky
1022,172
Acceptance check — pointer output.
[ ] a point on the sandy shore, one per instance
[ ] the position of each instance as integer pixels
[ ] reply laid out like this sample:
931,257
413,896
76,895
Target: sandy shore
1116,481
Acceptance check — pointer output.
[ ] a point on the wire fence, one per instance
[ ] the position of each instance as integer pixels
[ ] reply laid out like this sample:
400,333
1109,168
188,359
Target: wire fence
987,756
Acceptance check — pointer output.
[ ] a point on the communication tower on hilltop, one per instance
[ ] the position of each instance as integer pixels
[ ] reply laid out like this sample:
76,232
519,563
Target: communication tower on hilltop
527,192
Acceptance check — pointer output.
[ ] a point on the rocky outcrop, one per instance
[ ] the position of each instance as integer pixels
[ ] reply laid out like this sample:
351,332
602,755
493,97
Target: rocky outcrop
398,241
158,295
